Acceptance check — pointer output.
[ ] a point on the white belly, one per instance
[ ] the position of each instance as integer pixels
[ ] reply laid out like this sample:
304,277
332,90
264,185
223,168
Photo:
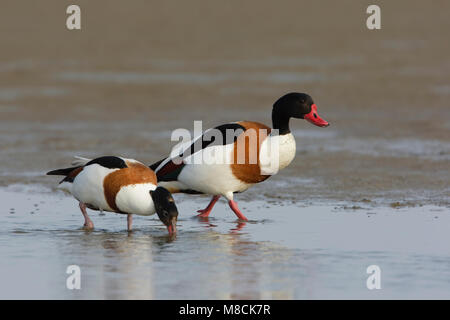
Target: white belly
136,199
213,175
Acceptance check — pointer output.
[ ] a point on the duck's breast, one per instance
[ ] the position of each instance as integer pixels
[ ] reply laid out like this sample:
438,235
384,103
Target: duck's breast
277,152
247,148
136,199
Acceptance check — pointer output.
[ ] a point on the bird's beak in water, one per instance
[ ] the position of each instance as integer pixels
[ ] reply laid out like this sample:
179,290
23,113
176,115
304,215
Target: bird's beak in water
314,117
172,227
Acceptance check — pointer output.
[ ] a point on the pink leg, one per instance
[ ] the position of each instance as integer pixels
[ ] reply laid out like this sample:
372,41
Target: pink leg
88,224
205,212
234,207
129,221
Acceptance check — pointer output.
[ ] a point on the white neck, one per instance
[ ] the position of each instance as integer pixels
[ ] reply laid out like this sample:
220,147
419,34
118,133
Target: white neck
283,146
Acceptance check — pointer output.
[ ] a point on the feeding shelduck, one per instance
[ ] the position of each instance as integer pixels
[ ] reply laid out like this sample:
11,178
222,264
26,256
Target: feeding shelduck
180,173
118,185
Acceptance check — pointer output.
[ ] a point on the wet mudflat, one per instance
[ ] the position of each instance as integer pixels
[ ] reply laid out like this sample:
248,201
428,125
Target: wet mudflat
285,251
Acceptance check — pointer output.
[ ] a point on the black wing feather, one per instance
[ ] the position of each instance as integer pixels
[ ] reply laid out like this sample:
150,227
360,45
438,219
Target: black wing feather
170,171
109,162
200,143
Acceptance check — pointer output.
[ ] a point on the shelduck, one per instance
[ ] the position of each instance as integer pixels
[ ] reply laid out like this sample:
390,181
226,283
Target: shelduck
224,178
118,185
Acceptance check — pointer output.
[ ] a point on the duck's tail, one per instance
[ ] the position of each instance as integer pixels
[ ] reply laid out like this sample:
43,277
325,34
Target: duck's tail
69,175
62,172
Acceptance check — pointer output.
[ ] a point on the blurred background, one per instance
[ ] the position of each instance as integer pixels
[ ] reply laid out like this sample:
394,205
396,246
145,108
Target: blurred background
139,69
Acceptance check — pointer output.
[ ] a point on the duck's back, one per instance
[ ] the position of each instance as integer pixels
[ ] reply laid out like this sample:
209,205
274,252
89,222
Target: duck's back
115,184
233,165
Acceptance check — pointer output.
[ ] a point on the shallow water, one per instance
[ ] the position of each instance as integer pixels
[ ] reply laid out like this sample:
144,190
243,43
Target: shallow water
285,251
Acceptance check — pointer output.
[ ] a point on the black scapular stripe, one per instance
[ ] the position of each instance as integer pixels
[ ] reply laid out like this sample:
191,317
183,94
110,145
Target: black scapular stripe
156,164
109,162
199,144
170,171
203,142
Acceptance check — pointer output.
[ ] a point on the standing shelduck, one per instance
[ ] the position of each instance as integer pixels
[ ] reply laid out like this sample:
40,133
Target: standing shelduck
180,174
118,185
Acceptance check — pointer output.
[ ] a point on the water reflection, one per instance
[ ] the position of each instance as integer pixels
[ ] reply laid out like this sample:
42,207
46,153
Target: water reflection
238,227
114,265
235,267
295,255
205,221
195,264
